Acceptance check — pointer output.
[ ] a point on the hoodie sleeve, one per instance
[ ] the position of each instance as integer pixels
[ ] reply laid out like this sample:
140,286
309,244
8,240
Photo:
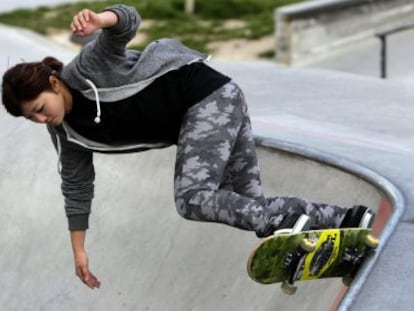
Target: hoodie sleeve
78,175
105,55
115,39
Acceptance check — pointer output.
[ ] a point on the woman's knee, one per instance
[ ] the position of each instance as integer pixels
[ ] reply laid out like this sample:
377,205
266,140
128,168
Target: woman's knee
194,204
183,206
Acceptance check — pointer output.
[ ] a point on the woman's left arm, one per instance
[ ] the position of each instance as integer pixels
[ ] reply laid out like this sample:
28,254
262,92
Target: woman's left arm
119,24
86,22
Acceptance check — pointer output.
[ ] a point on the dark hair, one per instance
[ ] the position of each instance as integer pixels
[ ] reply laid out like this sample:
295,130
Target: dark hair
25,81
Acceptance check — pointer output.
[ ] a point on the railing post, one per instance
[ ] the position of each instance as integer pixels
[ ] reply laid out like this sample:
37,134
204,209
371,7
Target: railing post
383,37
383,60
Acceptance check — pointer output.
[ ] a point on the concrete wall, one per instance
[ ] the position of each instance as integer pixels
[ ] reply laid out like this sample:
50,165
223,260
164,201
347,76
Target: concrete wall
314,29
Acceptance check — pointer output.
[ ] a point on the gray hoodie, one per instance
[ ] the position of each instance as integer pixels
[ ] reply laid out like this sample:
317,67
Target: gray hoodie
106,70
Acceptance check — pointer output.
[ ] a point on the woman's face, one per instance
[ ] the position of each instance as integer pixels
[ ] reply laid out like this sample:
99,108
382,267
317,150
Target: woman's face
50,106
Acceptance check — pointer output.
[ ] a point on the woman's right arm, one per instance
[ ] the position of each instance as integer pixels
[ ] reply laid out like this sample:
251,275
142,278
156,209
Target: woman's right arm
77,173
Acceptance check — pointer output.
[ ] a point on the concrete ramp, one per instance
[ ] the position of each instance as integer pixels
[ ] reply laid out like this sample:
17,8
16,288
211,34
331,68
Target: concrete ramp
147,257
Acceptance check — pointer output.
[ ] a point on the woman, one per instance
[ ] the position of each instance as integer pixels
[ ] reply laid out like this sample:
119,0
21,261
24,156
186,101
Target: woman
110,99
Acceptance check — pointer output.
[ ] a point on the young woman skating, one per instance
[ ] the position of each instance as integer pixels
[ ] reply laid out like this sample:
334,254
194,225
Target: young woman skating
111,99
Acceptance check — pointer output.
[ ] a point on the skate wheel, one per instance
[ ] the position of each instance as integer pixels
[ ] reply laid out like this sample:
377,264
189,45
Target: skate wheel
371,241
347,280
307,245
288,288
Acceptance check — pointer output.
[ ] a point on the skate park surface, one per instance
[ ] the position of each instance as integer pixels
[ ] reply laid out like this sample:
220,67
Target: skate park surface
324,135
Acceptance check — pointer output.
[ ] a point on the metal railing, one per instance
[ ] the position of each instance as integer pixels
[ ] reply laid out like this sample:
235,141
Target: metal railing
382,35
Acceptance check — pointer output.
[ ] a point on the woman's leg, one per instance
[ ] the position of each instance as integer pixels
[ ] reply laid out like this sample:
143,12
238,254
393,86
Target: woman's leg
203,189
217,176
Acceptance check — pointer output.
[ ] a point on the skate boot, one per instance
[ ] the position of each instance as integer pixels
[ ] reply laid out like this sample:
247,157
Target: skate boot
358,216
290,224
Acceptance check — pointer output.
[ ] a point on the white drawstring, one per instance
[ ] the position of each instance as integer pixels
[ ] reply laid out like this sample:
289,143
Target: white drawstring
97,119
59,151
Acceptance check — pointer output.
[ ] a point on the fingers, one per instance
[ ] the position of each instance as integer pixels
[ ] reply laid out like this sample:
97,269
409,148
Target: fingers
92,281
88,278
79,20
83,21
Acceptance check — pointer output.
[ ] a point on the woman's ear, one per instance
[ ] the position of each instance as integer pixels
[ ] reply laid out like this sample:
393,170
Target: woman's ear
54,83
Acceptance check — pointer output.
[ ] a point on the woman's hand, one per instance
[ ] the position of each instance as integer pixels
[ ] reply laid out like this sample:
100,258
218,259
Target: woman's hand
86,22
81,259
82,271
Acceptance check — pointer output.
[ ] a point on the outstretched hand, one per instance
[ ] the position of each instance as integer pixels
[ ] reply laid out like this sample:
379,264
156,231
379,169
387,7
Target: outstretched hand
82,271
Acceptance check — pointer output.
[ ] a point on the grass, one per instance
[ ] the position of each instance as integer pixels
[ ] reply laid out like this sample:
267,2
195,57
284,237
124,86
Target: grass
207,24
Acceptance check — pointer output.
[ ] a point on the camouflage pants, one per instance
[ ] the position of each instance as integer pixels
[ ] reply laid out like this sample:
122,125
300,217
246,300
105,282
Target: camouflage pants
217,176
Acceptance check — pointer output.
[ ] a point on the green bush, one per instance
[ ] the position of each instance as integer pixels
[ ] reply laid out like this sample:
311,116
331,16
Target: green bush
224,9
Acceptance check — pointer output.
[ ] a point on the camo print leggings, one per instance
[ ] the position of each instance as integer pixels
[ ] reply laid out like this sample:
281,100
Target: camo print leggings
217,176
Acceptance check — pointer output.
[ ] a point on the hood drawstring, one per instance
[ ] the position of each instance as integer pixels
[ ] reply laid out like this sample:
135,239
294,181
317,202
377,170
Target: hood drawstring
97,119
59,151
